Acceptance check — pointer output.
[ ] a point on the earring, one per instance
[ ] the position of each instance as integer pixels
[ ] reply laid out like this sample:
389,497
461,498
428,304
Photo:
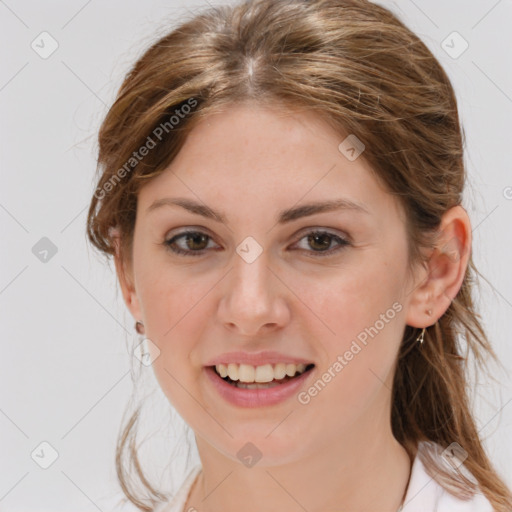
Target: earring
421,337
139,326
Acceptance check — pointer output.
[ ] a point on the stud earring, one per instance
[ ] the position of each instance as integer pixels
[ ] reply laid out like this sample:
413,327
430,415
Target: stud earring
139,326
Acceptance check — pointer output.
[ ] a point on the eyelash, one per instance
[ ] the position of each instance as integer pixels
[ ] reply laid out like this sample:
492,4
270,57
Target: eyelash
320,254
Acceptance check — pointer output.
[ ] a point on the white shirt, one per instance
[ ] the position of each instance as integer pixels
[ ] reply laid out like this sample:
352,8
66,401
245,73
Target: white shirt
423,494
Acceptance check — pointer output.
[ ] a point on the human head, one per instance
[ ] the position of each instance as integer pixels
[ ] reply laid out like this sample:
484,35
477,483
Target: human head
313,57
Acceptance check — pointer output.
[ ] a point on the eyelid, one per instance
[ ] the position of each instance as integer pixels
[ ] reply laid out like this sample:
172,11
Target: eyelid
308,229
342,241
330,231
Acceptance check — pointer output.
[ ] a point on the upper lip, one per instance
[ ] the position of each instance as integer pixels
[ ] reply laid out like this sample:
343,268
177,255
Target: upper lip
256,358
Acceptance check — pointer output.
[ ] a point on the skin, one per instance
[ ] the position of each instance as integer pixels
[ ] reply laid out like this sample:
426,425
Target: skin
336,453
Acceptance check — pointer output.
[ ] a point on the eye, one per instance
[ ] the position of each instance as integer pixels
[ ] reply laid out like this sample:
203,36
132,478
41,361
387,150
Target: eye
322,240
196,242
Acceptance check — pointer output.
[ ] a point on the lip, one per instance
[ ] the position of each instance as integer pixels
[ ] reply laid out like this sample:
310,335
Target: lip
256,397
256,358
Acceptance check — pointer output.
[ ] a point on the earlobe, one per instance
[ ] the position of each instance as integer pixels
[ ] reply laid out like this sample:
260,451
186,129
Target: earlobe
445,272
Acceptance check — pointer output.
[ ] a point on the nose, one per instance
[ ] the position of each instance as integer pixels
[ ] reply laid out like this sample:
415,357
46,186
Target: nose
254,298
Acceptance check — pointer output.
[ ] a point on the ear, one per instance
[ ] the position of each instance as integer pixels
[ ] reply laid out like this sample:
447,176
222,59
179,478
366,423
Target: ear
124,271
443,277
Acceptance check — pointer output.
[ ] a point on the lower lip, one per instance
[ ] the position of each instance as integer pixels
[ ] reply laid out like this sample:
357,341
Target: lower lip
256,397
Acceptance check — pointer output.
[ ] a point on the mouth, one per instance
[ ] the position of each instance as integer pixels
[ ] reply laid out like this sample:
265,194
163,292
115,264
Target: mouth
244,376
259,379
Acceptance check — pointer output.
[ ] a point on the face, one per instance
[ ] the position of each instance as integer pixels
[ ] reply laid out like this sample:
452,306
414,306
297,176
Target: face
260,287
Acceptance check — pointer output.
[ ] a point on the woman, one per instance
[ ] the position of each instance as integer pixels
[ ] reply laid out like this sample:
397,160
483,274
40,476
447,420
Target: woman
281,187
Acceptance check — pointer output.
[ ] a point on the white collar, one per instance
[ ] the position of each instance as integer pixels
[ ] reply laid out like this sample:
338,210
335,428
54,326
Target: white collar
424,494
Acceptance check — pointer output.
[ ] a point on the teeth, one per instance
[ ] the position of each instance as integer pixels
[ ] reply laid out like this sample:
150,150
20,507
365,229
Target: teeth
280,371
290,370
222,370
246,373
265,373
233,371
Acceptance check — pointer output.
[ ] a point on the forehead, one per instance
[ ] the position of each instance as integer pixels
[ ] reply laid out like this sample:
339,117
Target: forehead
257,157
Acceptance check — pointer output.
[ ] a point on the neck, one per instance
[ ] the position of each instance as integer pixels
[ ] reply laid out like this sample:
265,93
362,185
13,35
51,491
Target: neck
367,469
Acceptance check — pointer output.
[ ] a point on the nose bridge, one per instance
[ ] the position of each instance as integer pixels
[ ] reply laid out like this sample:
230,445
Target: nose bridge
250,278
249,300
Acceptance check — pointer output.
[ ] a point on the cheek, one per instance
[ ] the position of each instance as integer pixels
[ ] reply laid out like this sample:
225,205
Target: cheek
352,300
171,310
360,331
169,292
175,308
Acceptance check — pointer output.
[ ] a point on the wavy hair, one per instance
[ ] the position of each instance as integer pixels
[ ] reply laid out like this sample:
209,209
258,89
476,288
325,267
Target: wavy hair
356,65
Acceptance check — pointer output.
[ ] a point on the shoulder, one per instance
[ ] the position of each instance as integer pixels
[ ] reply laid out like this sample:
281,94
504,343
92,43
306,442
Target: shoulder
177,503
425,494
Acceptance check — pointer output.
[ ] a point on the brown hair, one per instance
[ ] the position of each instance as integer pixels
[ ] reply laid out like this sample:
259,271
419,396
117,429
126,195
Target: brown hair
360,68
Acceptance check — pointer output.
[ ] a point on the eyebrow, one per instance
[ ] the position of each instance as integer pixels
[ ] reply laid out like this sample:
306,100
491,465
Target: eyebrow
284,217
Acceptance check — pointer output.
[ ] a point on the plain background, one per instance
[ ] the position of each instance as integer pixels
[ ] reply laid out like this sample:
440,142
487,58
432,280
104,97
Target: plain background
65,330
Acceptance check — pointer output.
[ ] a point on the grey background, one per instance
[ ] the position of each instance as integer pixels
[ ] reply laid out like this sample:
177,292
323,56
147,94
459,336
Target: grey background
64,364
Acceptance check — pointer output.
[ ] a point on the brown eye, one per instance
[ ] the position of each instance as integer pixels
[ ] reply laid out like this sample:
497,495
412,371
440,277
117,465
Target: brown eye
194,242
320,242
